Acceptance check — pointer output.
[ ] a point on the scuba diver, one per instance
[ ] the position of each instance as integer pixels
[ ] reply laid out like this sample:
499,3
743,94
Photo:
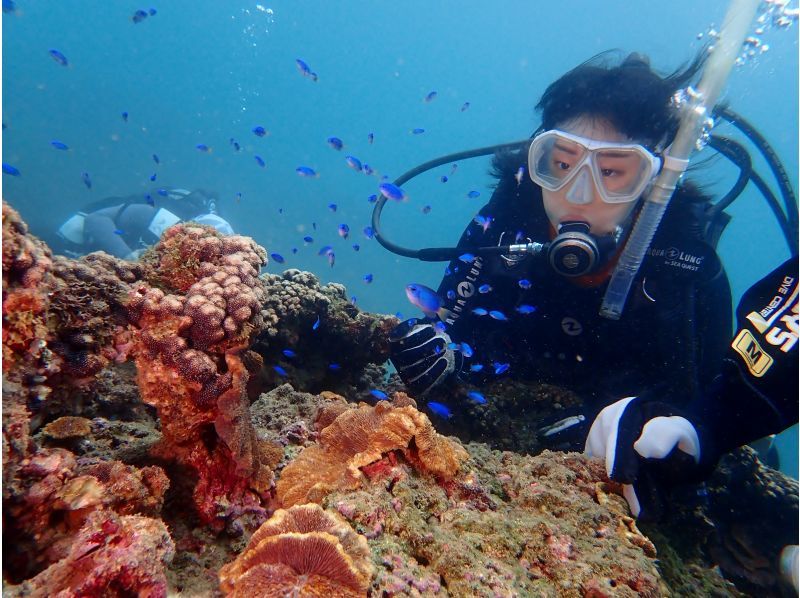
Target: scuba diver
604,131
125,226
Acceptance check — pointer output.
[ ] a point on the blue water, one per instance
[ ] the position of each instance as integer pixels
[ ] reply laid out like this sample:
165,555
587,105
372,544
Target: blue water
203,72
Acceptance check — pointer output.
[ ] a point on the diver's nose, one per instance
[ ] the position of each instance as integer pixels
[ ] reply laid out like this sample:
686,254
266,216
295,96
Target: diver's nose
582,190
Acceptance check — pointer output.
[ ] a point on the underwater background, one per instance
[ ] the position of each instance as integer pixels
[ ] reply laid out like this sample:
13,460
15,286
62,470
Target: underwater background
208,72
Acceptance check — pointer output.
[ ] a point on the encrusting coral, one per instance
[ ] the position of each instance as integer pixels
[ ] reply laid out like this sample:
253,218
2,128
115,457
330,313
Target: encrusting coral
303,551
360,437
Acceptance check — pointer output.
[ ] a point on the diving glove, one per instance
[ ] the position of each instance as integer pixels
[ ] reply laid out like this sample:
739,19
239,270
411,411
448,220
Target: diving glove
422,355
648,446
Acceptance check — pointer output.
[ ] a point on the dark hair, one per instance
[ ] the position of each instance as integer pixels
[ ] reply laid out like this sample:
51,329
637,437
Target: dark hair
629,95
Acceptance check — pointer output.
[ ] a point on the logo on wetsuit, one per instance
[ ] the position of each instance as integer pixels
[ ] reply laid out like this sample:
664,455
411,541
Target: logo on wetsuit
571,326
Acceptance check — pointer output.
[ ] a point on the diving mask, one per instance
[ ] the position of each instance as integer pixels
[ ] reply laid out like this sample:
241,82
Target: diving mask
620,171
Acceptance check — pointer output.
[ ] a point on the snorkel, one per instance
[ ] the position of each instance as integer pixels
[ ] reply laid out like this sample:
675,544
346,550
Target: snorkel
696,113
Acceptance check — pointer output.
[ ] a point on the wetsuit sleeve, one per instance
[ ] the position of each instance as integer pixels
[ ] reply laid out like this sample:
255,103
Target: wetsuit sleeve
100,236
757,392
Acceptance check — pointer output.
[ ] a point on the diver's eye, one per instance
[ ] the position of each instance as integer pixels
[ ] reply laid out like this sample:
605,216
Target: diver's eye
609,172
562,165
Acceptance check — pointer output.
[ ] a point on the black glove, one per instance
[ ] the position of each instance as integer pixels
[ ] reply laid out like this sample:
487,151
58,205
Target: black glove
421,354
649,446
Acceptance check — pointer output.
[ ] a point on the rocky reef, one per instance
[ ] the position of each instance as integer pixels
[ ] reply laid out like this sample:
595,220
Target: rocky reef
184,425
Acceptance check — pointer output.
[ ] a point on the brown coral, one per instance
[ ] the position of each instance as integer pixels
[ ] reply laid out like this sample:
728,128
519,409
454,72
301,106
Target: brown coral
68,427
302,551
362,436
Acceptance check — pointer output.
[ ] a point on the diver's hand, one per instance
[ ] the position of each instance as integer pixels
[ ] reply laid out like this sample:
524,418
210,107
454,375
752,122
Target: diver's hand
421,355
647,445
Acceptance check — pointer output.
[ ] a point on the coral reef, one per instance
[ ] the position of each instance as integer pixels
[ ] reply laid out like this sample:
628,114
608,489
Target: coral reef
302,551
358,438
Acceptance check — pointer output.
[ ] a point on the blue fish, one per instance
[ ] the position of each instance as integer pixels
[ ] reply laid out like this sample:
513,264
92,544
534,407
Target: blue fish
58,57
444,178
369,232
453,346
334,367
139,16
289,353
12,170
430,97
86,180
316,324
483,221
466,350
314,225
125,116
306,171
332,207
119,231
153,177
325,250
162,192
390,191
439,409
354,163
151,11
370,137
305,70
372,198
260,161
280,371
426,299
426,209
476,367
238,196
356,247
485,288
451,294
379,394
308,239
524,283
368,170
353,299
464,106
500,368
417,131
440,326
477,397
203,147
473,194
479,311
344,231
259,131
498,315
331,258
9,6
526,309
368,278
149,200
467,258
59,145
277,257
335,143
294,250
155,159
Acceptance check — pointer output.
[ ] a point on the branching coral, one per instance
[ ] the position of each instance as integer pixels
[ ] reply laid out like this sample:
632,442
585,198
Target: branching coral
302,551
359,437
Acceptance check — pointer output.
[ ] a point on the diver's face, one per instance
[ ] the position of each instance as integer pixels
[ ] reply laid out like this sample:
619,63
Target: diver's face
602,217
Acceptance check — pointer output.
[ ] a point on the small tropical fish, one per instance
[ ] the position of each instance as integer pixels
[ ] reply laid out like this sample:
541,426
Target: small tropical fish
332,207
451,294
440,409
354,163
483,221
294,250
526,309
519,174
235,144
417,131
314,225
325,250
477,397
86,180
9,6
467,258
335,143
306,171
444,179
58,57
524,283
368,278
280,210
391,191
153,177
466,350
59,145
308,239
151,11
485,288
353,300
289,353
162,192
464,106
280,371
316,324
368,169
305,70
372,198
238,196
500,368
440,326
453,169
334,367
203,147
277,257
149,200
473,194
498,315
125,116
430,97
425,209
378,394
260,161
139,16
371,138
356,247
155,159
259,131
369,232
12,170
331,258
453,346
119,231
476,367
344,231
479,311
425,299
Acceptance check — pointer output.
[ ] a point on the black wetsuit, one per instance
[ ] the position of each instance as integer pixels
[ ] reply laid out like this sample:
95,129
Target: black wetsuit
670,339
